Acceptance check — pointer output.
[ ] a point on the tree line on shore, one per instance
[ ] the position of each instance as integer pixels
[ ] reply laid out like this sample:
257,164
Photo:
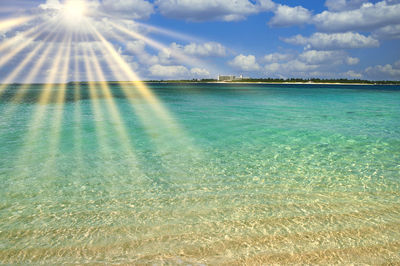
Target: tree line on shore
292,80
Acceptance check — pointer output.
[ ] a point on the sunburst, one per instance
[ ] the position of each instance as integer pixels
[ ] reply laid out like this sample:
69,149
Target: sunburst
51,47
73,12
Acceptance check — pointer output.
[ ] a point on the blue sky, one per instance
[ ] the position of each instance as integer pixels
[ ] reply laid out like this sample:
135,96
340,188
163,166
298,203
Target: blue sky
184,39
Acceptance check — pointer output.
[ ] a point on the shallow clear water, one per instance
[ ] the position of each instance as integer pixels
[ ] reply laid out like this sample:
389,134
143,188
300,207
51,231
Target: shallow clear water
209,174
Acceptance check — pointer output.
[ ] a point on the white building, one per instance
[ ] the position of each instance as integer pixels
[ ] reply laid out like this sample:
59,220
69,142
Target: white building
226,78
230,78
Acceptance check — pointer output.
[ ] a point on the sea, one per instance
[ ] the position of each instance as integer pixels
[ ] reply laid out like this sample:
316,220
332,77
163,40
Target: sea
199,174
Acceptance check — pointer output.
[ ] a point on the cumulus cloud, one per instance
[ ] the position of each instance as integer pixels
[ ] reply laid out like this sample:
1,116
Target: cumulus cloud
342,5
276,57
59,76
317,57
289,67
205,10
388,32
297,68
132,9
199,72
138,48
325,41
169,71
190,55
352,60
175,54
384,72
128,9
368,17
314,57
196,49
55,5
177,72
205,49
289,16
50,4
353,75
245,63
311,63
108,30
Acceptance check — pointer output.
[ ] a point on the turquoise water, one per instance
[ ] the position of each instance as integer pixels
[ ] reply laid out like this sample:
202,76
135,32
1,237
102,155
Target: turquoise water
208,174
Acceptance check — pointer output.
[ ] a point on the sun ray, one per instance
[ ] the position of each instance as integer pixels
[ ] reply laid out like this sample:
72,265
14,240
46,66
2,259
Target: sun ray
191,61
54,70
169,33
11,77
139,85
14,22
151,125
38,117
24,88
32,33
78,150
94,72
99,118
121,130
59,103
111,106
159,115
160,30
14,50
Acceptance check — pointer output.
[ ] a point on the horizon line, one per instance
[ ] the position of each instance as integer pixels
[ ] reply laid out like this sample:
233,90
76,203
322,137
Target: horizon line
214,80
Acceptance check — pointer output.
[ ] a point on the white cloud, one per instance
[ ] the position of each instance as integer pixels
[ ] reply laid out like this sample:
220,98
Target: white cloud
298,69
276,57
81,49
128,9
245,63
174,54
314,57
169,71
177,72
205,10
342,5
132,9
384,72
352,60
289,67
189,55
138,48
200,72
51,4
205,49
108,30
289,16
55,5
353,75
319,57
311,63
368,17
274,67
196,49
325,41
388,32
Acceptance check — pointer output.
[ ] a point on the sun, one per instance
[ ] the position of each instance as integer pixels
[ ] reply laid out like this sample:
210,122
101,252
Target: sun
73,11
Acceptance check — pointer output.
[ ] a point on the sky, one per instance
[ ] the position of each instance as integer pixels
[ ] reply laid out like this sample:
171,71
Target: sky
71,40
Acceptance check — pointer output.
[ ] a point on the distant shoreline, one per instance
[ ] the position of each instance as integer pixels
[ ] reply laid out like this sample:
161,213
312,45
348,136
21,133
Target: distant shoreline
266,83
372,83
